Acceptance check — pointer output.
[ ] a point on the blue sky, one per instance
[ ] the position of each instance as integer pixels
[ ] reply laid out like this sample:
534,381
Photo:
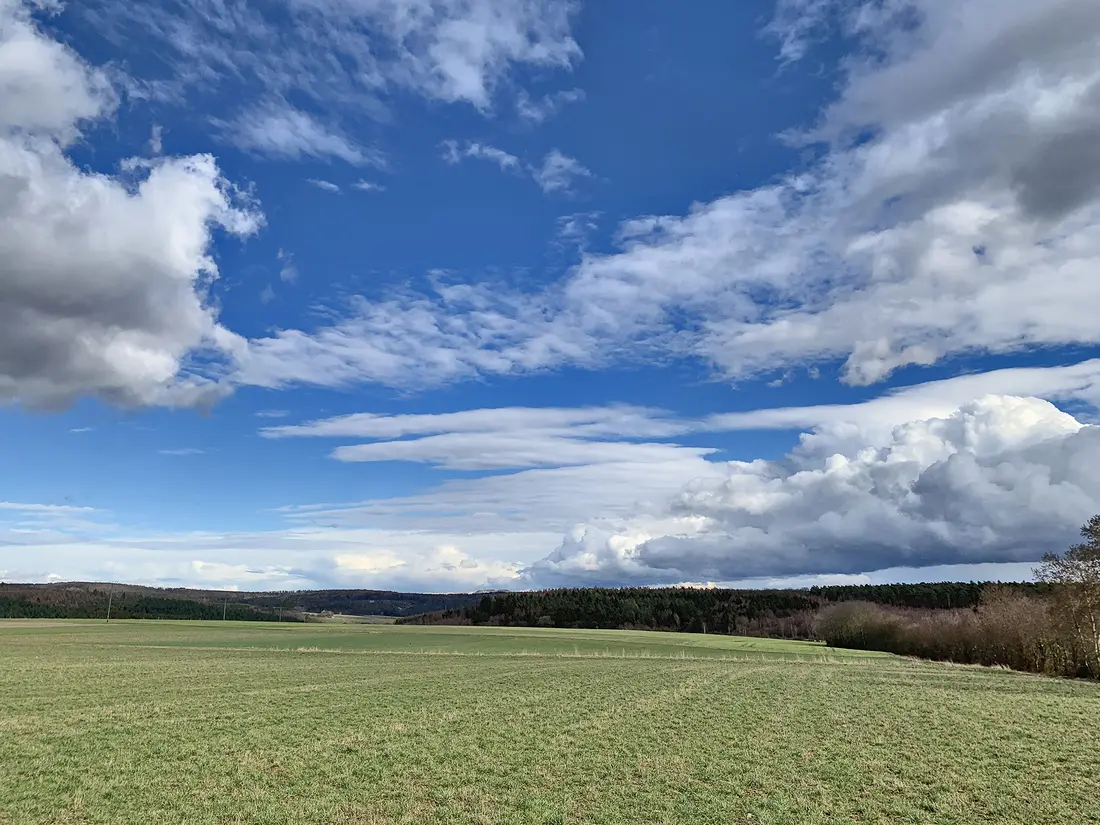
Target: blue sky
455,294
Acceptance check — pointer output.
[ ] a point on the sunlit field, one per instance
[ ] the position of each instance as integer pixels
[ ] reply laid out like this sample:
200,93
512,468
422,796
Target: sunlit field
191,722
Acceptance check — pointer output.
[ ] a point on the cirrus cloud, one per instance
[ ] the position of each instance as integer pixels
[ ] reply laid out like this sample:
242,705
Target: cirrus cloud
964,219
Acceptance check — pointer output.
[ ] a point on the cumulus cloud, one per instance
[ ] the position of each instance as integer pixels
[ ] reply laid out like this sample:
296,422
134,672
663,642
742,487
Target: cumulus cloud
953,209
102,278
1002,479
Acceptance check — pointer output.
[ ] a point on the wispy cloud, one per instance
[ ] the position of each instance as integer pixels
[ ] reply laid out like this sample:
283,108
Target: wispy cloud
182,451
505,438
288,270
343,57
453,153
555,173
279,130
82,429
326,185
558,171
537,111
368,186
271,413
58,509
965,220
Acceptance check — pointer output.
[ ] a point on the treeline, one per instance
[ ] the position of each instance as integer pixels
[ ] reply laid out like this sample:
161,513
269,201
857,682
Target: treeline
788,614
78,600
362,602
92,603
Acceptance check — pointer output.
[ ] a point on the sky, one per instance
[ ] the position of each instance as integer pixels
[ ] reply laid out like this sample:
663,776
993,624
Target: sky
451,295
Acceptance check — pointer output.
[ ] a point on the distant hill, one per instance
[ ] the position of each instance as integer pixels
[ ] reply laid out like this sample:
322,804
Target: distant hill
84,600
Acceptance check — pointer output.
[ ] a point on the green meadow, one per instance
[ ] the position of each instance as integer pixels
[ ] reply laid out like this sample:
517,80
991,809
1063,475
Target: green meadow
204,723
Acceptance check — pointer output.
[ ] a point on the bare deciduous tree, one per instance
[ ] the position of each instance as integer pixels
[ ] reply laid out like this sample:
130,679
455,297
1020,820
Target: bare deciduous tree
1076,575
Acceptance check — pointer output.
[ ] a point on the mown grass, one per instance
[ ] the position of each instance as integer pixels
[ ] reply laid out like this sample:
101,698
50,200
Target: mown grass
185,722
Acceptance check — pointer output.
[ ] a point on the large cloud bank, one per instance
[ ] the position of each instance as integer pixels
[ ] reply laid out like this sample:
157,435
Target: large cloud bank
1002,479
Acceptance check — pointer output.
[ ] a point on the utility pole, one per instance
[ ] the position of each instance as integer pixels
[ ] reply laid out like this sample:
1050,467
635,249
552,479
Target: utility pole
225,605
110,596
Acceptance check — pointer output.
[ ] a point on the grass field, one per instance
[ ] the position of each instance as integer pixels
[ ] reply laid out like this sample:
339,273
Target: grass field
187,722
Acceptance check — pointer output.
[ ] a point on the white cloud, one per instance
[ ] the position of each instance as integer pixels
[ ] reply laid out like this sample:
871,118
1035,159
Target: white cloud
325,185
575,229
991,485
103,282
506,438
81,429
567,463
346,54
282,131
156,139
288,271
53,509
490,451
1002,479
47,89
182,451
1077,382
558,172
453,153
298,557
415,341
537,111
580,422
368,186
966,220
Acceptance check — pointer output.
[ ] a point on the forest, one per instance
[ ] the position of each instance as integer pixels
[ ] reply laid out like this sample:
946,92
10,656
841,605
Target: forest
83,600
93,602
785,614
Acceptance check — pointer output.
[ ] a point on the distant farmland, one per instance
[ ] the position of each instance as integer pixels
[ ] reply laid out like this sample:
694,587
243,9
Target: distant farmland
223,722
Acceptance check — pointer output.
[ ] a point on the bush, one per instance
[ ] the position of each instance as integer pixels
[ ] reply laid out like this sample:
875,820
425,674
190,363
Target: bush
1007,629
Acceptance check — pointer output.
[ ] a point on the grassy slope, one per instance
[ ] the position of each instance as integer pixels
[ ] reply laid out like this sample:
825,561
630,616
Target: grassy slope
182,722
